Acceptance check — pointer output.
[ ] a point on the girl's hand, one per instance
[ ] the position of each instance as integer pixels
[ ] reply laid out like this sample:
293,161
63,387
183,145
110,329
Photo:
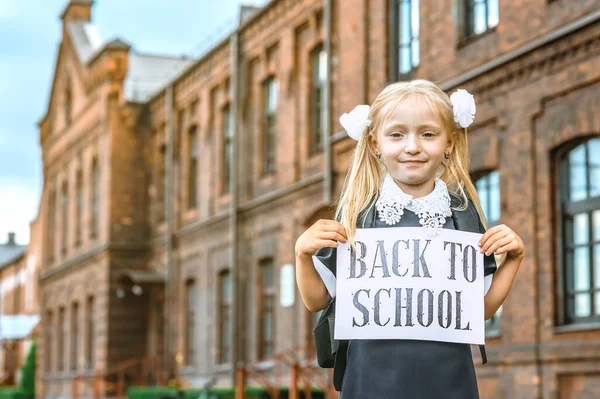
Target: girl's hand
502,239
324,233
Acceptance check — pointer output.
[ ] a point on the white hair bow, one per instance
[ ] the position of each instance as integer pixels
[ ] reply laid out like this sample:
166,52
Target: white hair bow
356,120
463,105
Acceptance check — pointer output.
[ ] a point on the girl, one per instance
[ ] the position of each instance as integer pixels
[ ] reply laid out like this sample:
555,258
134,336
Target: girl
409,170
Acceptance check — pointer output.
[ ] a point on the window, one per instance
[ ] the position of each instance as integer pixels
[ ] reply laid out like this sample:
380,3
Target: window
74,335
62,333
95,199
480,15
190,333
317,105
405,37
49,341
79,209
194,153
266,308
65,216
89,333
225,327
271,92
52,211
18,292
488,191
68,104
579,207
227,148
160,184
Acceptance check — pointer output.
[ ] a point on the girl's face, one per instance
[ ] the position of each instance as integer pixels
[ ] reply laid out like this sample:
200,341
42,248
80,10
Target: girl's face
412,143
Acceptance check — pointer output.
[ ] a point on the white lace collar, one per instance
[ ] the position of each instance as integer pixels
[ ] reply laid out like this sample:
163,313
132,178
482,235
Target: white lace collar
432,210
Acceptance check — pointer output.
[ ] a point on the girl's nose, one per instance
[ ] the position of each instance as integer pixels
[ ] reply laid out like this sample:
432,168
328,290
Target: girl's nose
412,145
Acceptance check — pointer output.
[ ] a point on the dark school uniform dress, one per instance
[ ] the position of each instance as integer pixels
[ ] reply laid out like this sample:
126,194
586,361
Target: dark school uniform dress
408,369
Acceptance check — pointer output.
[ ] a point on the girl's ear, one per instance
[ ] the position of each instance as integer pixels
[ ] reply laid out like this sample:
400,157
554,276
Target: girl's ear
451,141
373,143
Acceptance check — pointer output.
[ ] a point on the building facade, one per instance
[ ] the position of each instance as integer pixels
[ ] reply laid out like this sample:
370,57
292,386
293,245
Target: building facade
171,208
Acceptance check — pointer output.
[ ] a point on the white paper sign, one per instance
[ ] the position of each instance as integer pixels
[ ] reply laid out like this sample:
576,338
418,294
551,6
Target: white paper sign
404,283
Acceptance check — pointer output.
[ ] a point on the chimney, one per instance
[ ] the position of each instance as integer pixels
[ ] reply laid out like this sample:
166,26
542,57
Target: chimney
77,10
11,238
247,12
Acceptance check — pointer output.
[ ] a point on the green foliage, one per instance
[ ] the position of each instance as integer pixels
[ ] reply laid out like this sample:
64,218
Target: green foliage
15,393
27,383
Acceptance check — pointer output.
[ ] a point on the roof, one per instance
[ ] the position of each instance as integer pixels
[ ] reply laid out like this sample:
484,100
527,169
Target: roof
18,326
149,73
11,252
146,74
86,39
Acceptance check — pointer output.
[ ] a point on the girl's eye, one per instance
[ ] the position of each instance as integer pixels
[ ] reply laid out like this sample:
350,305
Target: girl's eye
396,134
428,134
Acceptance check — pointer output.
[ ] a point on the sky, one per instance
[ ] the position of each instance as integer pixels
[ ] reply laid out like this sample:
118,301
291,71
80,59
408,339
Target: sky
30,32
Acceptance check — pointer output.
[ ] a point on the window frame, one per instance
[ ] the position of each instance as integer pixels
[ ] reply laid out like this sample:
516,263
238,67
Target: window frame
493,324
228,127
63,331
266,295
94,198
193,162
318,90
269,125
74,336
224,311
52,218
49,330
65,204
78,208
565,209
396,40
90,333
68,103
467,10
160,183
191,289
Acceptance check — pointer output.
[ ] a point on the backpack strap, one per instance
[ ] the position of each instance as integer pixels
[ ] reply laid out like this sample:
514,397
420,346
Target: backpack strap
468,220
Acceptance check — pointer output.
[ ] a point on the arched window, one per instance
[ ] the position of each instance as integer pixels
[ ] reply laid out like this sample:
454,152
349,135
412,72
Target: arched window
579,231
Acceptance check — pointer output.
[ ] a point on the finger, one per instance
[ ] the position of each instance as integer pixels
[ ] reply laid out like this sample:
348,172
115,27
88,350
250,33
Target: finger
327,243
492,239
490,232
342,230
328,222
335,226
332,235
499,244
507,248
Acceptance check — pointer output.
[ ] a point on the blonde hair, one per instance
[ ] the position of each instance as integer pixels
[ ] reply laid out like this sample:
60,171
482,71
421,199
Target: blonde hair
366,173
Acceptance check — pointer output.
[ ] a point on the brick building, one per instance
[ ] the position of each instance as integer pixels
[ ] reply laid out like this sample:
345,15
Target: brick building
177,202
18,304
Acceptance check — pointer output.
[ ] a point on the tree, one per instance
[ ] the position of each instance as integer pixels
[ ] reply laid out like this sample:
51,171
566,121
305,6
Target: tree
27,382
